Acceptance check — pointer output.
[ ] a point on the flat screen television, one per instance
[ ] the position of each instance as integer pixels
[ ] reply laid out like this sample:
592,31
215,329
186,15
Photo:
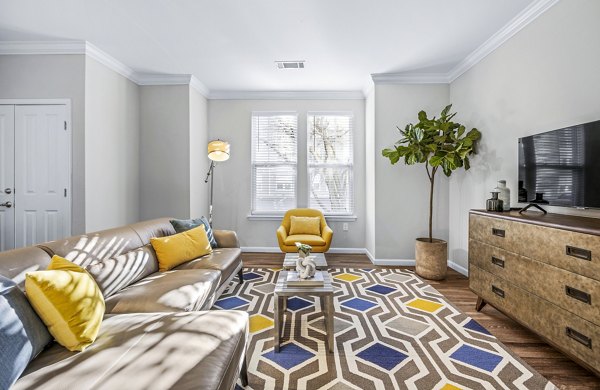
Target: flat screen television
563,165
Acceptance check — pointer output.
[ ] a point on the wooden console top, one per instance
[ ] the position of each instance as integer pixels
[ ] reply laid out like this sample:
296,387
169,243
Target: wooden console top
572,223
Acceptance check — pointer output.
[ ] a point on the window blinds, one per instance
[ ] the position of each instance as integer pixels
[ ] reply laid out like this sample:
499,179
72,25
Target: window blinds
330,162
274,161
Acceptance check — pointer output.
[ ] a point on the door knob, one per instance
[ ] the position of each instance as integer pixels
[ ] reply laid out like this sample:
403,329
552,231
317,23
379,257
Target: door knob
8,190
6,204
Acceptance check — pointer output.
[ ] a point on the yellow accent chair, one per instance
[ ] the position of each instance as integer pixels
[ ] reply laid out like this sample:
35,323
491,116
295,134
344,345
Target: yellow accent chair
320,243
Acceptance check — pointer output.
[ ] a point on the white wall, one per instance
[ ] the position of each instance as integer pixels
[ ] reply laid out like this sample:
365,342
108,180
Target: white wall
53,77
545,77
402,191
112,155
199,162
164,151
231,120
370,155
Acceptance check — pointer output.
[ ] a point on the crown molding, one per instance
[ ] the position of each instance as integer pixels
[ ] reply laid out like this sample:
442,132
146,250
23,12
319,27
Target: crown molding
199,87
410,78
163,79
525,17
286,95
42,47
110,62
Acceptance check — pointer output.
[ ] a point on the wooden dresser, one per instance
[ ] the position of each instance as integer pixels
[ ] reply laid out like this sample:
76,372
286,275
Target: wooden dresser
544,272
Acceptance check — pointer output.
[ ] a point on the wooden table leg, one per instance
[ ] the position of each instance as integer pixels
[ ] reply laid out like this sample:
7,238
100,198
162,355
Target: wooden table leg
329,321
284,303
278,321
323,306
480,304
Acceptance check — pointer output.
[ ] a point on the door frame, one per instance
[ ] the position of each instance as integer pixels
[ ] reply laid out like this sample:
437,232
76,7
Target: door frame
68,117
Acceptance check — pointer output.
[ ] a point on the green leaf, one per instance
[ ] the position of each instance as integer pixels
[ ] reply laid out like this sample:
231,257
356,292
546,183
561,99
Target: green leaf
422,116
467,163
435,161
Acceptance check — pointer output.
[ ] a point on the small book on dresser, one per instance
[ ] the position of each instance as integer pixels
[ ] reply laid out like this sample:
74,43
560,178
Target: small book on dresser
293,280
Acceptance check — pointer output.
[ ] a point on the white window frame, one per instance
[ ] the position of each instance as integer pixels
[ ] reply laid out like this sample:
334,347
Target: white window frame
342,216
269,214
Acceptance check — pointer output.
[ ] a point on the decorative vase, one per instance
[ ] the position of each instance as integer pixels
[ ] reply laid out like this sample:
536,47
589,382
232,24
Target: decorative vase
431,258
503,194
494,204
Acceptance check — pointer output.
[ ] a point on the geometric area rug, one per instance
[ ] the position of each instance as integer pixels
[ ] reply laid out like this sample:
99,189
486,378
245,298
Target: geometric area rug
392,331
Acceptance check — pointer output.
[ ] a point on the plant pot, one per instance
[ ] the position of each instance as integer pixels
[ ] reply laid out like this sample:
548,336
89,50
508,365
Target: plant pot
432,258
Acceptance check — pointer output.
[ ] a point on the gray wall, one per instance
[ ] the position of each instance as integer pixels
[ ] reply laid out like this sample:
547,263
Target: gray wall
545,77
370,155
401,198
199,162
112,153
231,120
54,77
164,151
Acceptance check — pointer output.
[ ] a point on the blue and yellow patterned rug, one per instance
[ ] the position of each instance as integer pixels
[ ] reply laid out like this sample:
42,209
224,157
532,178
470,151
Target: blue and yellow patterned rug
392,331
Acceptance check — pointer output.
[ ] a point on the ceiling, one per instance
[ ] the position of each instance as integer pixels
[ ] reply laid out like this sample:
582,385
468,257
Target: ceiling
231,45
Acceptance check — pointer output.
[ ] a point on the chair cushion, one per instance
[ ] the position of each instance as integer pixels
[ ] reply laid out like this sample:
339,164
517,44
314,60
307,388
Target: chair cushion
182,225
181,247
112,275
22,333
175,290
225,260
305,239
69,302
305,225
200,350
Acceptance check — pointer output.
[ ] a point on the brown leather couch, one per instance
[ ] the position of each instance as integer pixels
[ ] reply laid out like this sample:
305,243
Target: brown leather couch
157,332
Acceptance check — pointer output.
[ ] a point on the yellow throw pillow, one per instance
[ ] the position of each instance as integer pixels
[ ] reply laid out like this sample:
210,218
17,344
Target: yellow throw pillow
305,225
181,247
69,302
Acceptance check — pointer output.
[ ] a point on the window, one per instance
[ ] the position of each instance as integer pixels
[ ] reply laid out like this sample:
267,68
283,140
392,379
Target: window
330,163
274,161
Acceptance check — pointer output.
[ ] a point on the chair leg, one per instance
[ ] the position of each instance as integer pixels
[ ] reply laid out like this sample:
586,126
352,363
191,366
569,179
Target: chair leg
241,275
244,373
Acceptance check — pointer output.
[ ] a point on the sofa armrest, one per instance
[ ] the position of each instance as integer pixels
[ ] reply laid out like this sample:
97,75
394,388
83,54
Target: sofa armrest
226,239
327,236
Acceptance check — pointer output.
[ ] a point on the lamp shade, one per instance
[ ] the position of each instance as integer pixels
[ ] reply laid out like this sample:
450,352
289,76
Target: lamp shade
218,150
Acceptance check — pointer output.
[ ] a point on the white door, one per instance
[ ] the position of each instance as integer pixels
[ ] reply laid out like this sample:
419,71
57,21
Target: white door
7,176
42,174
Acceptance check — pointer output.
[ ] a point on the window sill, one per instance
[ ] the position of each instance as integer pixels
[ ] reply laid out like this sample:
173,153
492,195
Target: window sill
274,217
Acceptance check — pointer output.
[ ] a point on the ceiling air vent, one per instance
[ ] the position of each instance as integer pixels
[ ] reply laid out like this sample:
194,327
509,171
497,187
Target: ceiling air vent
290,64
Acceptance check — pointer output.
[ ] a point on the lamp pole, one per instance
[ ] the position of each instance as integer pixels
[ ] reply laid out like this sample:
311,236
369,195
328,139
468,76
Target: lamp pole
210,174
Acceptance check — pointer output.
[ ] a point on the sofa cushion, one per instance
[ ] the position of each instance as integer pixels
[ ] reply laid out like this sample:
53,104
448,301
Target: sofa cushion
114,274
14,264
22,333
226,260
85,249
305,239
182,225
146,230
176,290
181,247
200,350
305,225
69,302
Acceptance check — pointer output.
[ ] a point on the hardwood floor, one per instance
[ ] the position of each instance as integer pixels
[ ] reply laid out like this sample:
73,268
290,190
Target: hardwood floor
548,361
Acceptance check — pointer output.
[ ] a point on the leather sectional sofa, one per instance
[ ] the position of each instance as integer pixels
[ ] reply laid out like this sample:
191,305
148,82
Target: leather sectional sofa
157,332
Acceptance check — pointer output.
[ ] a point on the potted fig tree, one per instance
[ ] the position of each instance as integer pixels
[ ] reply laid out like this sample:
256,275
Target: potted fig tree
438,143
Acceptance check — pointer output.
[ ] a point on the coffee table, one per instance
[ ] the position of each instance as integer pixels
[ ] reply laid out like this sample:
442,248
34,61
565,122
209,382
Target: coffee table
289,262
282,292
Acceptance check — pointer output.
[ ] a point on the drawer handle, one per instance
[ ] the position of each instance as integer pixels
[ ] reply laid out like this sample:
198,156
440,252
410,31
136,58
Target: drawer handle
579,337
498,291
498,262
578,294
498,232
580,253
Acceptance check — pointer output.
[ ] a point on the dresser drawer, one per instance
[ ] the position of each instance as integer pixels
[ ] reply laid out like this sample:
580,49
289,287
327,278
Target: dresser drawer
576,336
575,293
498,232
576,252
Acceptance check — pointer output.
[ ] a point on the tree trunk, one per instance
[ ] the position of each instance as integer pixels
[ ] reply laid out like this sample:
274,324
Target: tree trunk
431,180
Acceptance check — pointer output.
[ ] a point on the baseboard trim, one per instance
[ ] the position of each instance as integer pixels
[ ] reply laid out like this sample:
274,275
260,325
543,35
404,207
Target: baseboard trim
394,262
458,268
274,249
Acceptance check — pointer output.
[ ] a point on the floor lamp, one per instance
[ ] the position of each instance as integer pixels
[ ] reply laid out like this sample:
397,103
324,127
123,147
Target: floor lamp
217,151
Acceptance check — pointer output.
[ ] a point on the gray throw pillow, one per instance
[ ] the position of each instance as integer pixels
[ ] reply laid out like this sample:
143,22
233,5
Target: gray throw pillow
181,225
23,335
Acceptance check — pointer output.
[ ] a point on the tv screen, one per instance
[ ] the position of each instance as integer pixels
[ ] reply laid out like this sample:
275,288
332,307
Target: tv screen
562,164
